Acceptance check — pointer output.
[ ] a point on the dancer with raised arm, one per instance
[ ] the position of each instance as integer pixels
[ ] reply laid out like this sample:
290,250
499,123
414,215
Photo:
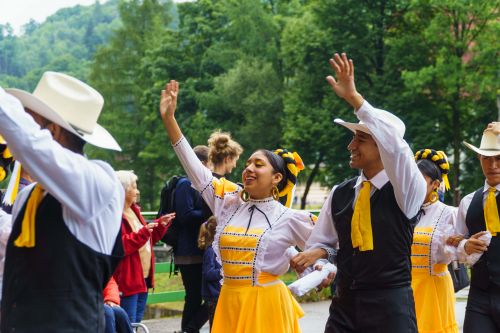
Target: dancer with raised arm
370,219
253,232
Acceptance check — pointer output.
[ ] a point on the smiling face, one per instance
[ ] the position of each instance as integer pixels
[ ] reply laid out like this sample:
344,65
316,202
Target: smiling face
491,169
365,154
259,176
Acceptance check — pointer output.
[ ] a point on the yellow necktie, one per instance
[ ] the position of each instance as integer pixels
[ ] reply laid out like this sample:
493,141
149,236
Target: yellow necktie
361,223
27,236
491,212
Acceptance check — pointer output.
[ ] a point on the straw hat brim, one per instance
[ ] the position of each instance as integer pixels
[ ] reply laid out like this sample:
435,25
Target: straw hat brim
353,126
484,152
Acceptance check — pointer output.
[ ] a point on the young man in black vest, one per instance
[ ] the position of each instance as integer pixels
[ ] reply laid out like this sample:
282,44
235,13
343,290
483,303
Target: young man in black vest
478,213
370,220
65,241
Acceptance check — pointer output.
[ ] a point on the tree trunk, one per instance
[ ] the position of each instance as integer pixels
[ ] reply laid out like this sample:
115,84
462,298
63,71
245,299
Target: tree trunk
310,179
455,105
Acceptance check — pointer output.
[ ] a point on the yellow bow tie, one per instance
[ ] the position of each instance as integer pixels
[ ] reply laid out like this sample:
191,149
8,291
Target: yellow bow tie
27,236
361,223
491,212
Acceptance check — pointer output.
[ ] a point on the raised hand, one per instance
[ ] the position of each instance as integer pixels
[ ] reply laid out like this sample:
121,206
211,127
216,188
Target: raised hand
168,101
494,127
344,85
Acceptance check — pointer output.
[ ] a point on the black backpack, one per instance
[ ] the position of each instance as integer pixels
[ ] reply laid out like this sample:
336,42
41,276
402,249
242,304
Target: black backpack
167,205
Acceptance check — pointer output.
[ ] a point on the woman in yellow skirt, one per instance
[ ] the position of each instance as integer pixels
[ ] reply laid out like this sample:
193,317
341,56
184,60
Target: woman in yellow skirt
431,282
254,229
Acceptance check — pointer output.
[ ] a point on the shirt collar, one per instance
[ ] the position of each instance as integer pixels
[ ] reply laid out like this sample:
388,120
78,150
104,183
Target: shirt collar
266,204
486,187
379,180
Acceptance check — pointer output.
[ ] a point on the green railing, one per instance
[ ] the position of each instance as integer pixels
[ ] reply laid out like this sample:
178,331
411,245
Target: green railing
165,296
164,267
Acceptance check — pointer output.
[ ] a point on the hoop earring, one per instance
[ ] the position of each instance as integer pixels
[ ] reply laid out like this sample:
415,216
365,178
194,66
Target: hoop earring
275,193
433,197
245,196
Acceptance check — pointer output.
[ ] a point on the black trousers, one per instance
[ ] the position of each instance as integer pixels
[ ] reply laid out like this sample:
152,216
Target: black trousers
373,311
482,314
195,314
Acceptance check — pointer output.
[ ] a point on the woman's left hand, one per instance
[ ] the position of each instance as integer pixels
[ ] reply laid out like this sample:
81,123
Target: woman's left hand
454,240
166,219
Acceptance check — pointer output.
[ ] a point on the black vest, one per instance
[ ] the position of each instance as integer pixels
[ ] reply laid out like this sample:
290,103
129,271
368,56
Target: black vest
389,264
57,285
486,270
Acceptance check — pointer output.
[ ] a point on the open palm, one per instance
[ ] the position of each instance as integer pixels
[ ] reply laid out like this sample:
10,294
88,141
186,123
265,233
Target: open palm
168,101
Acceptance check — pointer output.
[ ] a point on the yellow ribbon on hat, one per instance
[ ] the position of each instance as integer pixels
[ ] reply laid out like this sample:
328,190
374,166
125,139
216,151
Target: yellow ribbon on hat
491,212
361,222
27,236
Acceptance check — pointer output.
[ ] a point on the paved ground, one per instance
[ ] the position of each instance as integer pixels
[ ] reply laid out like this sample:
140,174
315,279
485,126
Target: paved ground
313,321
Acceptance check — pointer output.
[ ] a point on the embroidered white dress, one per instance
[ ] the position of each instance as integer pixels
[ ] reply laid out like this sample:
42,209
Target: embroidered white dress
250,243
431,282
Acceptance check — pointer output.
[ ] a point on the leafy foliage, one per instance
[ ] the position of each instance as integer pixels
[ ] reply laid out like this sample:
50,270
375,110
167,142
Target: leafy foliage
256,68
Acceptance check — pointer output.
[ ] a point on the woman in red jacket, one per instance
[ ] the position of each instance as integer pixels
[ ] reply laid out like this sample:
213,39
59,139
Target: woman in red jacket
135,273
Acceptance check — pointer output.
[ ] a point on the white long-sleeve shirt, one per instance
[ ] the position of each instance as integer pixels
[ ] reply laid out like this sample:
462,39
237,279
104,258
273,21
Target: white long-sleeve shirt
461,227
5,229
290,227
89,192
443,219
399,168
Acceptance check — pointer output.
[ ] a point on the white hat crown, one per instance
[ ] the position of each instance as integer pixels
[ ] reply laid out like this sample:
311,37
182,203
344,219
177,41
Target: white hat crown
71,104
76,102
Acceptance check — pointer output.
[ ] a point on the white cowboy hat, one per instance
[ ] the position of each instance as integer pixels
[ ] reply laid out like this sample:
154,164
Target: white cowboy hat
395,122
71,104
490,144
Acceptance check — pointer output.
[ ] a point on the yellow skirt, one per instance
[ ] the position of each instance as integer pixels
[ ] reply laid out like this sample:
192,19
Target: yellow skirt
247,309
434,303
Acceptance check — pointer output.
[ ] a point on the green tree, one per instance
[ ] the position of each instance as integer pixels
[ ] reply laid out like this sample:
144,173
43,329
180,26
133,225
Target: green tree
459,77
117,72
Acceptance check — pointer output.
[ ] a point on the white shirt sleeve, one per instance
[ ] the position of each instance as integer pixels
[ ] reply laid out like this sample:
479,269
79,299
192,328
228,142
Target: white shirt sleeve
200,176
324,235
408,183
461,228
89,191
441,253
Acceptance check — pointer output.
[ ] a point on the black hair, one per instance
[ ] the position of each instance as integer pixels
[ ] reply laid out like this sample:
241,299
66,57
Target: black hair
430,169
279,166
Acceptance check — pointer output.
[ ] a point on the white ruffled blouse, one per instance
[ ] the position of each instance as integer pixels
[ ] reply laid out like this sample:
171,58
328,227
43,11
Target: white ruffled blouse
289,227
442,218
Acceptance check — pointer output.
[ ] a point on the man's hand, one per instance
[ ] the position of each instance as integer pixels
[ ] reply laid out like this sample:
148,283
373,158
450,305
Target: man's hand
307,258
168,101
344,85
326,282
494,127
475,245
